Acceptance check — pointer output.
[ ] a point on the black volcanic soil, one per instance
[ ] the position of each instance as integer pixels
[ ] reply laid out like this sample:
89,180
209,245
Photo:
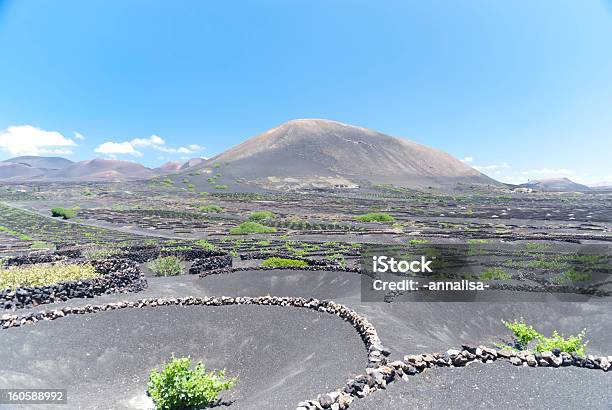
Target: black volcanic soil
495,386
104,359
234,332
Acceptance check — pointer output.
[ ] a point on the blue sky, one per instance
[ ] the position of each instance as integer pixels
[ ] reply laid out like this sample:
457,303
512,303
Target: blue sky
523,89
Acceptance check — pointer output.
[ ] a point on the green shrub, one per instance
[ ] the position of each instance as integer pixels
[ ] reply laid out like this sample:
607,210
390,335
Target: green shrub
523,332
283,262
98,252
41,245
44,274
571,276
178,386
205,245
495,273
251,227
375,217
258,216
166,266
211,208
573,344
417,241
63,212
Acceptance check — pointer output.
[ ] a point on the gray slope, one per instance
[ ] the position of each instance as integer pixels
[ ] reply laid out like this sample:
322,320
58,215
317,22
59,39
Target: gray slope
322,148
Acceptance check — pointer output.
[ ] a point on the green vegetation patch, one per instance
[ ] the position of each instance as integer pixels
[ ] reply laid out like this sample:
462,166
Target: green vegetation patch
573,344
166,266
375,217
258,216
525,334
495,273
45,274
202,243
178,386
251,227
12,232
283,262
211,208
65,213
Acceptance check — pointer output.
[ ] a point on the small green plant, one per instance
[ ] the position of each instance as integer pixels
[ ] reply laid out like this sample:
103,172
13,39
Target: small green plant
251,227
65,213
41,245
211,208
283,262
258,216
178,386
98,252
535,246
338,259
523,332
166,266
205,245
495,273
417,241
573,344
375,217
571,276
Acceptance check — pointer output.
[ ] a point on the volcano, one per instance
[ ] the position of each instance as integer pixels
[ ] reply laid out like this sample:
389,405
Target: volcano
320,152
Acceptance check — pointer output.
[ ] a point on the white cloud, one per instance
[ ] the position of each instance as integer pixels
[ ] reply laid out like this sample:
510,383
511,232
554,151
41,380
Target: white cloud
467,159
154,141
125,148
78,136
484,167
29,140
190,149
491,167
546,171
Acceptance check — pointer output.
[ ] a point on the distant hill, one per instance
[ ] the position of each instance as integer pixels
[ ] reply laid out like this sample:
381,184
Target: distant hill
193,162
314,152
30,168
10,171
41,162
102,169
176,166
555,184
170,166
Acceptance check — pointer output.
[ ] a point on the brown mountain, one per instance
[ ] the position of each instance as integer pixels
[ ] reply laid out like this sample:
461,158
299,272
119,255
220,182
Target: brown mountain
319,152
41,162
169,167
103,170
10,171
